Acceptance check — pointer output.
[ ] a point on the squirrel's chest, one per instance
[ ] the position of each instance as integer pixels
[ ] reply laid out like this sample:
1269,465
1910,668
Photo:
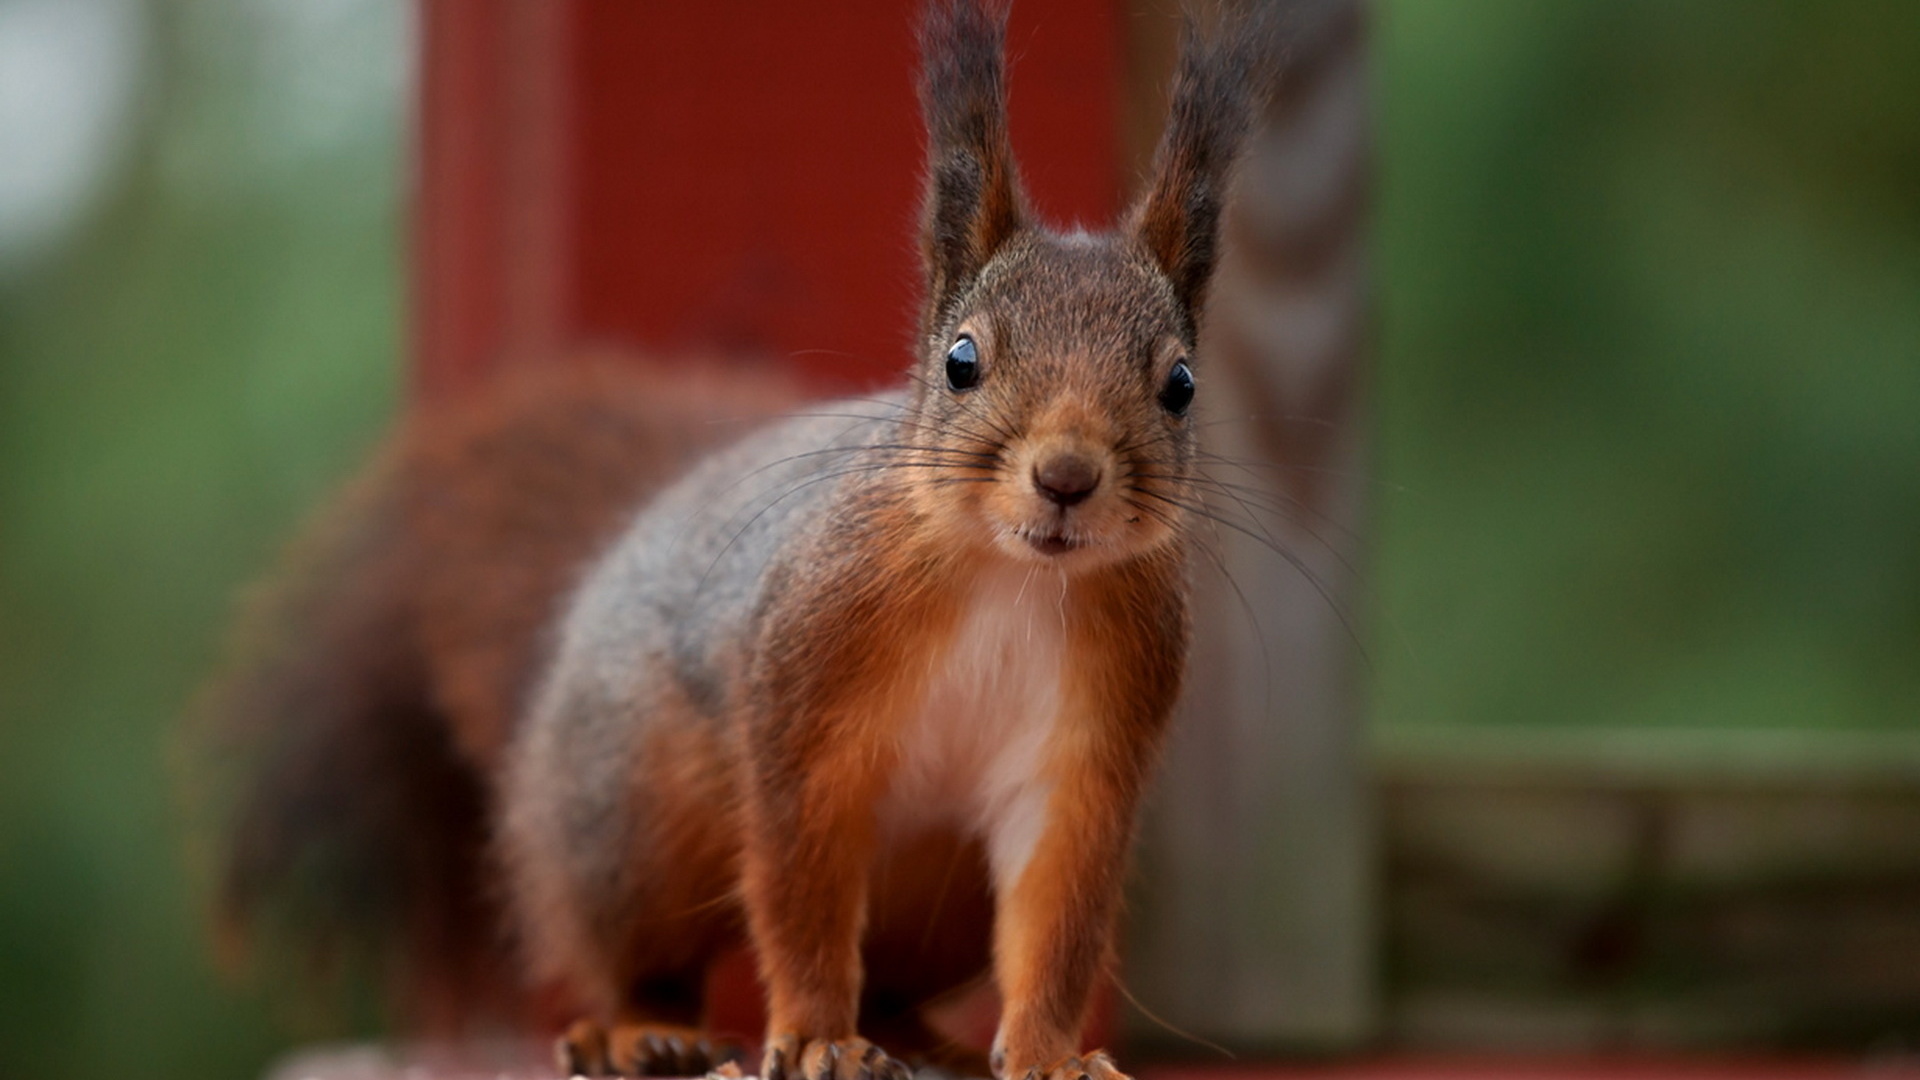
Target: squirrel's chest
974,754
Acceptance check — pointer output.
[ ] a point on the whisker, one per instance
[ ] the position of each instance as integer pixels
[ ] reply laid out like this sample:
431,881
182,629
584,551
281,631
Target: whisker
1331,548
1284,418
902,420
1294,560
966,406
1276,502
1246,607
1248,498
1253,467
784,496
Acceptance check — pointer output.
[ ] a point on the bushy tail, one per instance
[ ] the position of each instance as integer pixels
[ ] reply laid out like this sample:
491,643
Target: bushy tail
348,836
341,762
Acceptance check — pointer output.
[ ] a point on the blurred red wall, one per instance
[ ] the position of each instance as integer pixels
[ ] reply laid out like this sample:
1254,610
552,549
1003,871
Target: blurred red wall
723,176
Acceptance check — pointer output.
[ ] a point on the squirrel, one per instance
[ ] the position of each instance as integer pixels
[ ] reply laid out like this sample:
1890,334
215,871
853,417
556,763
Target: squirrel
582,689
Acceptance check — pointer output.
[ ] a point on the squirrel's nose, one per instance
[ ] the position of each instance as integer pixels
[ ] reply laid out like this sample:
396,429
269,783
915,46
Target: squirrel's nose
1066,478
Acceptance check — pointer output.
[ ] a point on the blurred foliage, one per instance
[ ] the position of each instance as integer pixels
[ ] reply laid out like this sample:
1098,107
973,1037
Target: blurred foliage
1650,366
177,384
1649,399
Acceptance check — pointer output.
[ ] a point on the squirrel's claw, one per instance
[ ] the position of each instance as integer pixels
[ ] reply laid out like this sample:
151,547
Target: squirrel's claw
587,1049
582,1050
1095,1066
828,1059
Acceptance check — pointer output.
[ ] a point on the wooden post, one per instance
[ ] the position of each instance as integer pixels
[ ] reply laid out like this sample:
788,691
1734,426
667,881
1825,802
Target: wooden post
1256,922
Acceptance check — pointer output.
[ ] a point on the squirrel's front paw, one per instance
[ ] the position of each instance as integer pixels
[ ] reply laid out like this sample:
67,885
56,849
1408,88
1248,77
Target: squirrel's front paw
790,1058
1094,1066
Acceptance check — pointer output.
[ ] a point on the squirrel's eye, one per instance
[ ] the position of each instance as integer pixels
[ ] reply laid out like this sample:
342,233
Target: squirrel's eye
1178,393
963,364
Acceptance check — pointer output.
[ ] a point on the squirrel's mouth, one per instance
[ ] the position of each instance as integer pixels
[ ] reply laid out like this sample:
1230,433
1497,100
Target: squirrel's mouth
1050,543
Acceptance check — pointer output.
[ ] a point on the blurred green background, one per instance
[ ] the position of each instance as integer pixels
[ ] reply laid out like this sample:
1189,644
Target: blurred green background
1649,402
1650,363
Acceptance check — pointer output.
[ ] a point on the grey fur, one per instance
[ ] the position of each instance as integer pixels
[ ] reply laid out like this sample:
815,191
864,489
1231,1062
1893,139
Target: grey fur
669,606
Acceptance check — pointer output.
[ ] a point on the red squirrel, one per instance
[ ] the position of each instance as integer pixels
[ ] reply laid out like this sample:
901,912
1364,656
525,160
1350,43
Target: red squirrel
875,689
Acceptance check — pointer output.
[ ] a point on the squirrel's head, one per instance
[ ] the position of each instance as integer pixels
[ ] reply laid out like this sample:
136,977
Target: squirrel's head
1056,370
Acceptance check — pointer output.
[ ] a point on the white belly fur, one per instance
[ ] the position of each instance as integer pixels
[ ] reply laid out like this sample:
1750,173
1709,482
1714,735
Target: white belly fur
975,755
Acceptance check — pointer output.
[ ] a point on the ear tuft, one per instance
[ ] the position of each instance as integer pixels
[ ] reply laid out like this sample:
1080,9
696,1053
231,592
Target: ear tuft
1222,79
973,200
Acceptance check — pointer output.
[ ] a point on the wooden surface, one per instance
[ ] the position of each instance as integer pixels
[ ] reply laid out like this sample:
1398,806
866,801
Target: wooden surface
374,1063
1637,890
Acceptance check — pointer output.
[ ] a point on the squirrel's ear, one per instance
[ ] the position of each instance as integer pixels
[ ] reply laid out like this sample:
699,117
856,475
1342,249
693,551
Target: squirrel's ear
973,201
1215,91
